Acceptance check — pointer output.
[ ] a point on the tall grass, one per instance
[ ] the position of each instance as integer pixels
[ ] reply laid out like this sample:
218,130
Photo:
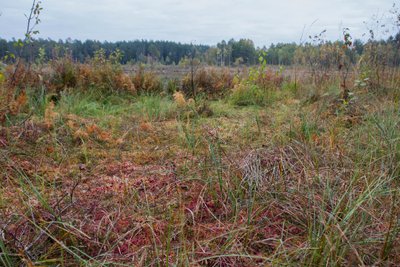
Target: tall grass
154,107
93,104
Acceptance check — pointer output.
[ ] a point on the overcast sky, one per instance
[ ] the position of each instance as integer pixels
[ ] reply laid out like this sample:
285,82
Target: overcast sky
198,21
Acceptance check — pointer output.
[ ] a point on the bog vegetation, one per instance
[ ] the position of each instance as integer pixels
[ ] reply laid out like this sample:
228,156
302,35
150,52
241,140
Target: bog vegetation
258,165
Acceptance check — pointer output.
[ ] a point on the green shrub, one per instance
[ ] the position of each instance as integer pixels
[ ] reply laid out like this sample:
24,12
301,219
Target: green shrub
246,95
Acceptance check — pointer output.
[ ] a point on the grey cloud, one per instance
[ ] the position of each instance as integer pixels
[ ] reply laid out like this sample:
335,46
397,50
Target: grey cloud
206,21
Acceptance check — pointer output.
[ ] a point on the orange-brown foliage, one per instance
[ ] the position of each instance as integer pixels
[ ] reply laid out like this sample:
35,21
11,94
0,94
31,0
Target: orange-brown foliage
146,82
212,81
17,104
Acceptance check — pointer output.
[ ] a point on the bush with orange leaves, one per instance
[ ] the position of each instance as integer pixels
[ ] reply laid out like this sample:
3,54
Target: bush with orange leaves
16,105
102,75
64,74
147,82
105,75
21,76
123,82
13,98
211,81
85,73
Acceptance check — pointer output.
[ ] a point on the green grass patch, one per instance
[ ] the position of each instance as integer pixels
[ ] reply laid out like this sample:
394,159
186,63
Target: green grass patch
154,107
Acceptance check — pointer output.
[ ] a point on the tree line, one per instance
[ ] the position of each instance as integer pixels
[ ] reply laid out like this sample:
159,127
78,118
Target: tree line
225,53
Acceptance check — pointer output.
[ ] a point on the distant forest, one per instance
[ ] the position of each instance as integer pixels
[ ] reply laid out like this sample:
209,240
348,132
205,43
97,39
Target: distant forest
225,53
